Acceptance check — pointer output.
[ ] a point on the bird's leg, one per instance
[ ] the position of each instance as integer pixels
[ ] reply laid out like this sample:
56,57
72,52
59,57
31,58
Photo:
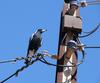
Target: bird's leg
29,57
31,53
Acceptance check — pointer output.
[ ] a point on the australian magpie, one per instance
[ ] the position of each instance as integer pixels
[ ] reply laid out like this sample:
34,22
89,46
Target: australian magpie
34,44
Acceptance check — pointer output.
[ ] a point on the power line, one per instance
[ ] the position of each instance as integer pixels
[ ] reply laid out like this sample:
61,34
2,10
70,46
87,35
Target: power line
13,60
39,56
42,59
19,70
92,47
91,32
93,2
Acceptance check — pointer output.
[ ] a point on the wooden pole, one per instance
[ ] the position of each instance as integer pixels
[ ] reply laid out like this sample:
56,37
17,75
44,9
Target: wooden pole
65,74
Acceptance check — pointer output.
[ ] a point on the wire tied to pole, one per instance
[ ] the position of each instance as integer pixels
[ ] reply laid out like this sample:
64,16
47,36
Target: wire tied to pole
72,64
40,57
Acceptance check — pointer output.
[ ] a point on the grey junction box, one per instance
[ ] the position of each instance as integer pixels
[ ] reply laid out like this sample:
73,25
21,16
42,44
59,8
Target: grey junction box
72,23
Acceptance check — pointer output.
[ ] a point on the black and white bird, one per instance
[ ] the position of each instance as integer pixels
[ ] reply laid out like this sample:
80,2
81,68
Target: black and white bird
34,44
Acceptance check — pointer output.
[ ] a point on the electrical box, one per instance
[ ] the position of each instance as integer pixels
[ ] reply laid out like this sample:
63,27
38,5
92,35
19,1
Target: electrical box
72,23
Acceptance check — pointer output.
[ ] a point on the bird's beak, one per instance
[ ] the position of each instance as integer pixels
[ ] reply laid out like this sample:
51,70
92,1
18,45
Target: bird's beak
44,30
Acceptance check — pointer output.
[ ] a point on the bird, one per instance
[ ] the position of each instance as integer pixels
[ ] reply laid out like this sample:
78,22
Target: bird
35,43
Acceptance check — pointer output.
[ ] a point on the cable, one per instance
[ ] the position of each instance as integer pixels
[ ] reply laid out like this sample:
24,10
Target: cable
91,32
41,58
19,70
16,59
13,60
93,2
73,65
37,57
78,46
92,47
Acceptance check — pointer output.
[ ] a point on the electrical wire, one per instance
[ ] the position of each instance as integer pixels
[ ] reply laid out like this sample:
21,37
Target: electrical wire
91,32
93,2
17,59
79,47
19,70
37,57
92,47
13,60
41,58
45,61
72,65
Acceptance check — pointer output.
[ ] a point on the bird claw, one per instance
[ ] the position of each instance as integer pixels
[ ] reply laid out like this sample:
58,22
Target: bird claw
28,60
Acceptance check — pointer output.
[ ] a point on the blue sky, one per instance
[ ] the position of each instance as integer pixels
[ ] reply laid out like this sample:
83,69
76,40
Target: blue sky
20,18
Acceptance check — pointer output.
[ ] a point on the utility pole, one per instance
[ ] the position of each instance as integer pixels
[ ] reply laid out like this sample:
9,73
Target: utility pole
68,25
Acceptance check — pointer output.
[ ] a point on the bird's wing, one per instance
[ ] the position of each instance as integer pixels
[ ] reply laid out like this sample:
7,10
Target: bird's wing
41,42
33,35
28,46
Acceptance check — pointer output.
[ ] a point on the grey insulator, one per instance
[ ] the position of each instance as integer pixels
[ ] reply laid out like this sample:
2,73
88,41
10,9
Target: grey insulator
72,44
